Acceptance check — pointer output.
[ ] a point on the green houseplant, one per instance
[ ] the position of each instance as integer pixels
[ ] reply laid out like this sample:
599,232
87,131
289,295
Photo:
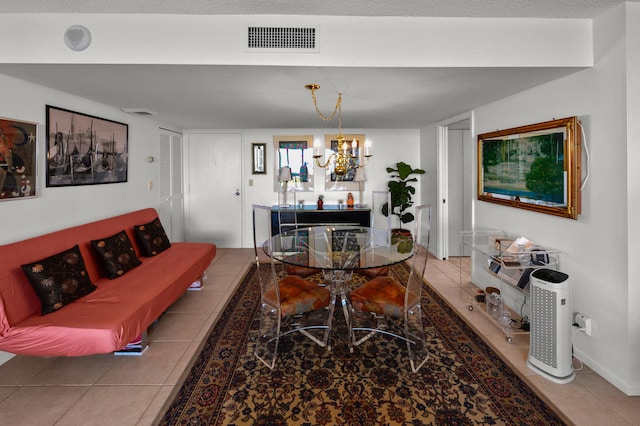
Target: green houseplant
401,200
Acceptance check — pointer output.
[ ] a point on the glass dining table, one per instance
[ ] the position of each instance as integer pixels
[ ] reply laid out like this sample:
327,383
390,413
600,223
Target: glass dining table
337,247
337,250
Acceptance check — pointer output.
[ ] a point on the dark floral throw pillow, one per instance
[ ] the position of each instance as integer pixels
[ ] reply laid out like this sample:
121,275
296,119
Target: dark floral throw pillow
116,254
59,279
151,238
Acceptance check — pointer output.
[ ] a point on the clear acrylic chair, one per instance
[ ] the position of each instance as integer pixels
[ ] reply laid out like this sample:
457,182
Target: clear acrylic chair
379,221
384,305
288,220
287,209
378,200
288,303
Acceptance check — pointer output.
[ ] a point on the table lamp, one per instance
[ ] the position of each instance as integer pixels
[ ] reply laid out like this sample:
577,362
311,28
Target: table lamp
284,176
361,178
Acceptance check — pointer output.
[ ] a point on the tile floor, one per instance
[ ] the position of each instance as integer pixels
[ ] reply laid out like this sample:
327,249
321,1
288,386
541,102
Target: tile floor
130,390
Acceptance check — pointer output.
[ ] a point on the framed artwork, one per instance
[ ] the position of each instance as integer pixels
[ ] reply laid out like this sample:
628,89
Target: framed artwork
295,152
259,158
85,150
332,181
18,141
535,167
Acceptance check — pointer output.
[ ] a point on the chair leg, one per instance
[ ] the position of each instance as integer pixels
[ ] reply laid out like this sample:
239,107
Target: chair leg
317,325
415,338
411,331
268,336
347,311
330,312
363,322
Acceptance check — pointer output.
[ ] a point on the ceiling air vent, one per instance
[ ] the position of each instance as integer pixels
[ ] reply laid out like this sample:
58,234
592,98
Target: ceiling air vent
139,111
282,38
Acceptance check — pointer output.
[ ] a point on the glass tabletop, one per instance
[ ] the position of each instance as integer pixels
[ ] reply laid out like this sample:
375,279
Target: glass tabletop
336,247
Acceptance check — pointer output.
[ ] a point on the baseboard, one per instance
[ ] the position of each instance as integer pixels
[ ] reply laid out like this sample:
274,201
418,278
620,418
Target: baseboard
627,388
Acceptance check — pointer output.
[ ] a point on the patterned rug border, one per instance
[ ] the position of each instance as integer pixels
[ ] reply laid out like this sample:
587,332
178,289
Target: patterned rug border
472,335
459,343
205,350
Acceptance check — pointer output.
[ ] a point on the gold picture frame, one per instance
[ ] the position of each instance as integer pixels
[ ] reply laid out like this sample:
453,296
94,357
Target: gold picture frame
333,182
535,167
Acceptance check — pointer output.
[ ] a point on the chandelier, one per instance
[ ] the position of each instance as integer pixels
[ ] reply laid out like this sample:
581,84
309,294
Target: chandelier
344,159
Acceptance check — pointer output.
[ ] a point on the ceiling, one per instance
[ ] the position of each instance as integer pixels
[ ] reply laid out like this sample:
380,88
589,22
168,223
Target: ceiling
243,97
442,8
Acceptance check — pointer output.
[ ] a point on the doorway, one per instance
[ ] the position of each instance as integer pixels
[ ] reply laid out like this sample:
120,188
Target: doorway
213,180
171,209
455,183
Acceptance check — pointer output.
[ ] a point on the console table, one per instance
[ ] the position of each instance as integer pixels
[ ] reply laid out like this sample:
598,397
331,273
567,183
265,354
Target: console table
310,216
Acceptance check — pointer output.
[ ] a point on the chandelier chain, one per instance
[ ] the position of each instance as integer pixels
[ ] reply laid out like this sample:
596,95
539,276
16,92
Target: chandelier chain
336,110
342,159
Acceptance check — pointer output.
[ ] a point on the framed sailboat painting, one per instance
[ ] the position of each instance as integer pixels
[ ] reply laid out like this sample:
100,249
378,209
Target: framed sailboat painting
85,150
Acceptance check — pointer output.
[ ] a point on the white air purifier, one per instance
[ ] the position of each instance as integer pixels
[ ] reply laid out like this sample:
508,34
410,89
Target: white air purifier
550,320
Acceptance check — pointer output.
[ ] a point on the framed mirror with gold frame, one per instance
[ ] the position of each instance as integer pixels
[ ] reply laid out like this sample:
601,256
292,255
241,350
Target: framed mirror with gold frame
535,167
333,181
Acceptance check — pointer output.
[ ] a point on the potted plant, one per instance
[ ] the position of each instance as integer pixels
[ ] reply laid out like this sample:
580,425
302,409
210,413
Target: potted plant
401,200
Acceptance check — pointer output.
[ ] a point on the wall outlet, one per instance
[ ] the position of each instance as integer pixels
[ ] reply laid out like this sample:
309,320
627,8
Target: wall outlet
584,322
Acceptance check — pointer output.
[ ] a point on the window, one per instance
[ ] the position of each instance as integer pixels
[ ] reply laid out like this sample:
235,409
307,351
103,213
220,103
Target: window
297,153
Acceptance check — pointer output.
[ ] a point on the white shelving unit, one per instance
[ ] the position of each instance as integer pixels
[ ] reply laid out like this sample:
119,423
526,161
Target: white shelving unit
503,261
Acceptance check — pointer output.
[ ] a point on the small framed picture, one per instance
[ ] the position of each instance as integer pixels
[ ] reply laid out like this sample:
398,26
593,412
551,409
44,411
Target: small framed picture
258,158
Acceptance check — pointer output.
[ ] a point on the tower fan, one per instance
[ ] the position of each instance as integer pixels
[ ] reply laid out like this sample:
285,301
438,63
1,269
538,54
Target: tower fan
550,333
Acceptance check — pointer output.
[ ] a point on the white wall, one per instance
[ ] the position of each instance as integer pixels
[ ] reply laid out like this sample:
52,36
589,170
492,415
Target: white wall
60,207
596,247
633,182
388,148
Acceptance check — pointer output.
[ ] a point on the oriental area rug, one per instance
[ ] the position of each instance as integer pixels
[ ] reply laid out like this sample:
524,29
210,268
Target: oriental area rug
463,382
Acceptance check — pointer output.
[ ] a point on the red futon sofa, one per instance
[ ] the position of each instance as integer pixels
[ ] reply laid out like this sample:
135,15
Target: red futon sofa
116,312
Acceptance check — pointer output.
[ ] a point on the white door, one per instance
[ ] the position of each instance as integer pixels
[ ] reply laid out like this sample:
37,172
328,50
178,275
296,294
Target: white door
455,198
455,203
459,182
171,210
213,177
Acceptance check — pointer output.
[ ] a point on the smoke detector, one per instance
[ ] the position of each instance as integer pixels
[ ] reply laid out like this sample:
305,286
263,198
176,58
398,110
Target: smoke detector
77,38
